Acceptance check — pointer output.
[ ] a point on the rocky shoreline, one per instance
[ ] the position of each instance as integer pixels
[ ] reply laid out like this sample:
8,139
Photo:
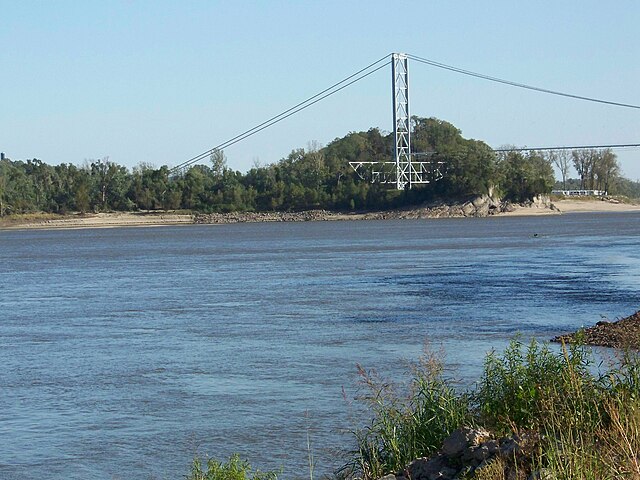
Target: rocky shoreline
481,206
624,333
475,450
470,207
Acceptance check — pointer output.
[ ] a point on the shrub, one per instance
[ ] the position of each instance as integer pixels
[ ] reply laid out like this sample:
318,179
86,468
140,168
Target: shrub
408,421
516,388
588,423
234,469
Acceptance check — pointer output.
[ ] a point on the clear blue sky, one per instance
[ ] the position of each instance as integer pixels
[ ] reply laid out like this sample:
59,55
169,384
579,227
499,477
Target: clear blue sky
162,81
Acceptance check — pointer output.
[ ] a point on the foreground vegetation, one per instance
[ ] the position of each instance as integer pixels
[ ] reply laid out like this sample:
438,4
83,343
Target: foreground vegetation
587,424
312,178
234,469
584,421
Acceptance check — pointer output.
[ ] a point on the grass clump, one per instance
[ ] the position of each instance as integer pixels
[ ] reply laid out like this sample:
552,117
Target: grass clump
594,431
408,421
574,421
586,422
517,387
234,469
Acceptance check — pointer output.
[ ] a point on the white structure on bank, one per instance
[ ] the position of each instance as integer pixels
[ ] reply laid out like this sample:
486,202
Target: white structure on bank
580,193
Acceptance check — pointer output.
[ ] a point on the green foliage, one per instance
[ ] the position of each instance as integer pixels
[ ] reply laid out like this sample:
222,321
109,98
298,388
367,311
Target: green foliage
406,424
624,379
626,187
524,175
234,469
588,423
593,429
470,164
515,387
598,169
313,178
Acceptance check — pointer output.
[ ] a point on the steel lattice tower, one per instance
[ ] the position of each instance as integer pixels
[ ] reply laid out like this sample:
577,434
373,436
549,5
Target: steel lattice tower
407,168
401,120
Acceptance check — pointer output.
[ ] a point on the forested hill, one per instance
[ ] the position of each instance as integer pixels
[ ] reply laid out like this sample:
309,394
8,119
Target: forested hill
306,179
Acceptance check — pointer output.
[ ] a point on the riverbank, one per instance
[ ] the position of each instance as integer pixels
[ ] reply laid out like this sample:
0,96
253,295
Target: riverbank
94,220
533,414
606,204
624,333
478,207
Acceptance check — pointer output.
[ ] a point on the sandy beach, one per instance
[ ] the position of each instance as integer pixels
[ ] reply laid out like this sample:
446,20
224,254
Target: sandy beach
98,220
145,219
577,205
573,206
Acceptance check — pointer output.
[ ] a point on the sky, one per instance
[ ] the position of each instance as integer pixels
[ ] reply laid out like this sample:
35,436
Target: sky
162,81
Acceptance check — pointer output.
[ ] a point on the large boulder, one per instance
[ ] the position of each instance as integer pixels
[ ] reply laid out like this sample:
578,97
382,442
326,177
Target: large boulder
464,439
434,468
467,450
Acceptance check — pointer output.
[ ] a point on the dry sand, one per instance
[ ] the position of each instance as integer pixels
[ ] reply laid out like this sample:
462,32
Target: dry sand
102,220
573,206
578,205
138,219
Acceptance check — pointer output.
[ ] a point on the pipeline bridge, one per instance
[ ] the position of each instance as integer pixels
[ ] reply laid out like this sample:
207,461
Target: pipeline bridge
408,168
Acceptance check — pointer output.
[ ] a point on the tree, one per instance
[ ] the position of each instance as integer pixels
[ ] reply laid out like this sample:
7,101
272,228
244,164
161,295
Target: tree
561,159
318,177
105,176
4,168
195,187
150,188
41,176
62,191
598,169
584,162
82,198
470,164
218,162
607,169
525,175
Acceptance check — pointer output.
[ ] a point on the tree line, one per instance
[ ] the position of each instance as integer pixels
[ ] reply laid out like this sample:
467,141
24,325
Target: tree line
597,169
312,178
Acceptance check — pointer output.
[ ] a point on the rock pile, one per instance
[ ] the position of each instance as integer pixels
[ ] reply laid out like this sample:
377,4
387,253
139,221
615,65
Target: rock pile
480,206
469,450
540,201
624,333
241,217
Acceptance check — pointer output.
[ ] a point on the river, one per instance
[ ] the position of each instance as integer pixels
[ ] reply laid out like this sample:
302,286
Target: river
125,351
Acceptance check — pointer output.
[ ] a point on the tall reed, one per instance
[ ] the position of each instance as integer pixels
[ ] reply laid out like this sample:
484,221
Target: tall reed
407,421
588,421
